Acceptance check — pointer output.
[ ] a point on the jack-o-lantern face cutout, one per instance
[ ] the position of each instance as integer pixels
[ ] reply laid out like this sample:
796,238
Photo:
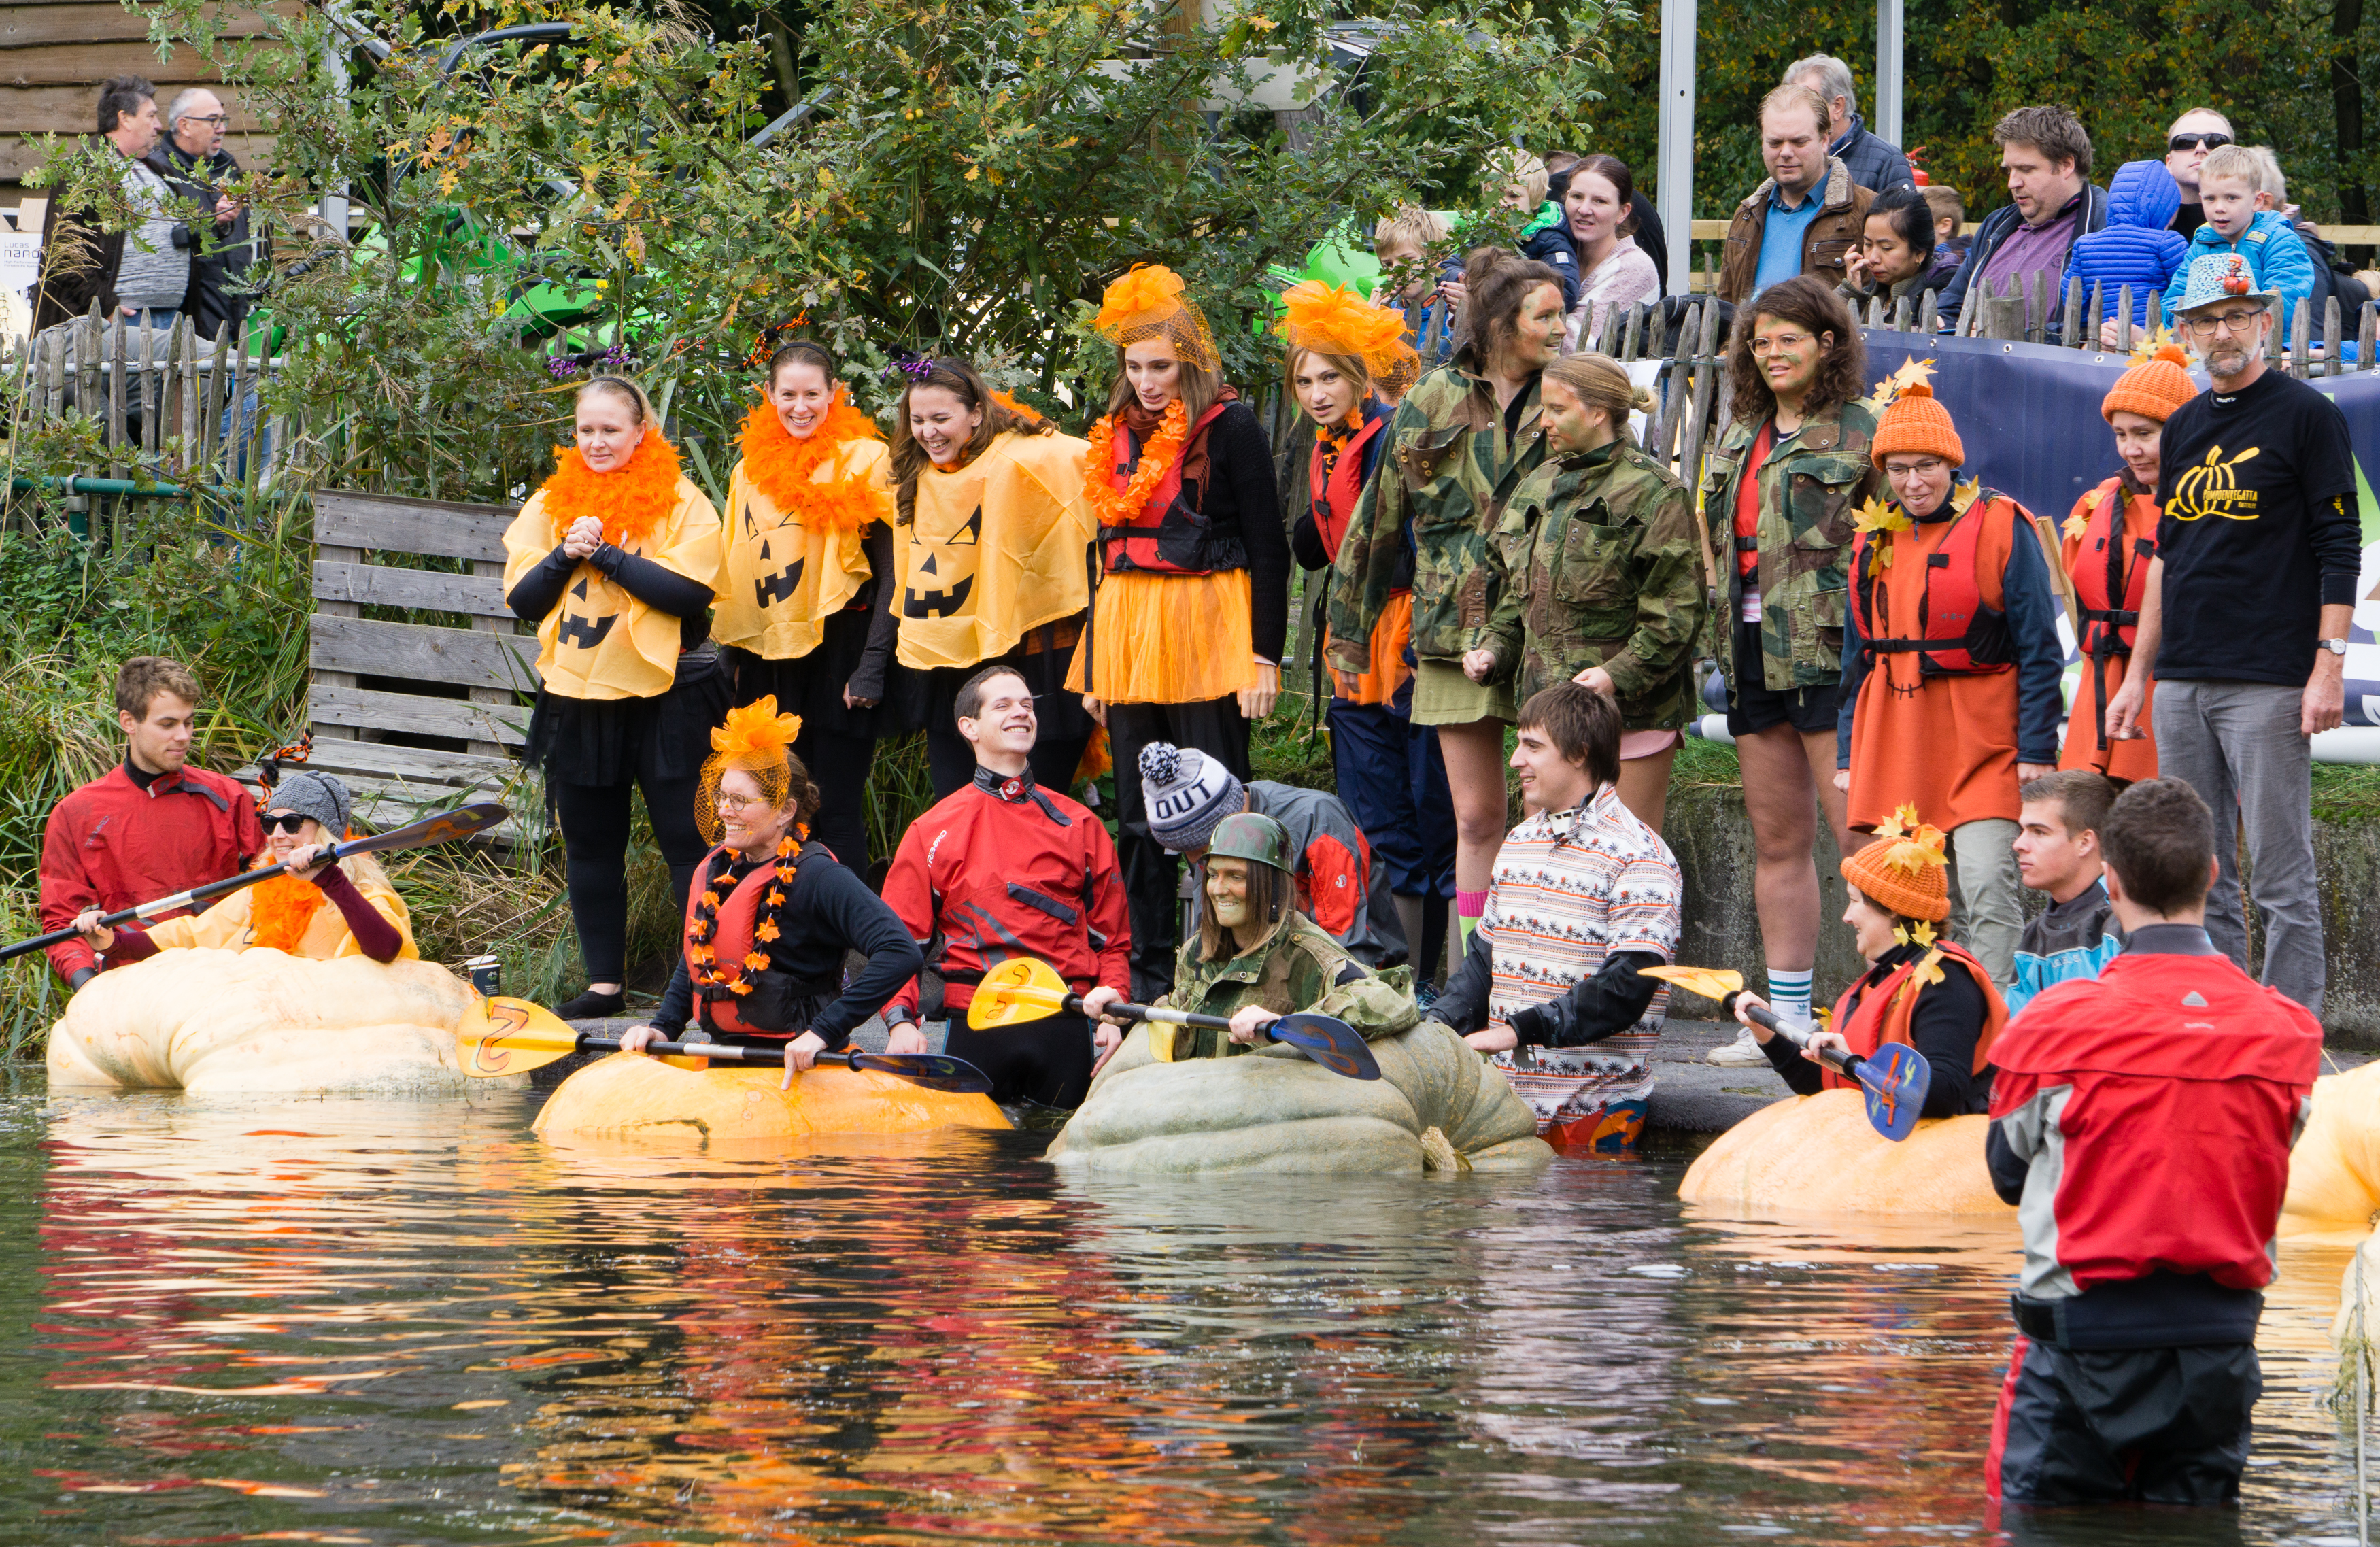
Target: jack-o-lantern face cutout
576,628
948,566
770,589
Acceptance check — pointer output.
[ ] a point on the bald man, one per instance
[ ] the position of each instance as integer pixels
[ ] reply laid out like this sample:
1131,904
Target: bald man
192,159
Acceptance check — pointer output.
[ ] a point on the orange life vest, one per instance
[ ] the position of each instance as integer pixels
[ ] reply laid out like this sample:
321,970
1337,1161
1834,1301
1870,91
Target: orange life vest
1165,536
1882,1013
720,1010
1335,496
2110,577
1957,635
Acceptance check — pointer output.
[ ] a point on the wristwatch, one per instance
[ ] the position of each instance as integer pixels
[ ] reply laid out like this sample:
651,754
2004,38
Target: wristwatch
2337,647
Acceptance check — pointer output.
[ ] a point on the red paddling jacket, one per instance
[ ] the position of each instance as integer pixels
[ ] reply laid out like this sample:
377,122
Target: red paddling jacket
1004,868
1955,1023
124,840
2142,1123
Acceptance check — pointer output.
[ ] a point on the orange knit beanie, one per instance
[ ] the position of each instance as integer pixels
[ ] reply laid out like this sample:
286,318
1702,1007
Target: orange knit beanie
2152,388
1918,421
1905,871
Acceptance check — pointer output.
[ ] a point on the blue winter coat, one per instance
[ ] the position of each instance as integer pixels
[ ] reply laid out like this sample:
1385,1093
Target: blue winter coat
2135,247
2278,260
1547,238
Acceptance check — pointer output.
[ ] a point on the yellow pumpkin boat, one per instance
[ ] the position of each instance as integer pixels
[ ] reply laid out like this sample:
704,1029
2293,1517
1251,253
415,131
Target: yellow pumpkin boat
629,1096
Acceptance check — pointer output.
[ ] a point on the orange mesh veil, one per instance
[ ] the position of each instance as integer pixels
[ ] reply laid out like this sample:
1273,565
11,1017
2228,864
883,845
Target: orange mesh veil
1149,303
1332,319
757,740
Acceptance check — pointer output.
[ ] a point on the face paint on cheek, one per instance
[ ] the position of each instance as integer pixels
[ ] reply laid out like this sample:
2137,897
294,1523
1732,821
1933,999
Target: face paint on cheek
1230,899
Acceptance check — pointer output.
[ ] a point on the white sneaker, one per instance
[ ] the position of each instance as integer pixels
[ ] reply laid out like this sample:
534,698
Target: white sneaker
1742,1053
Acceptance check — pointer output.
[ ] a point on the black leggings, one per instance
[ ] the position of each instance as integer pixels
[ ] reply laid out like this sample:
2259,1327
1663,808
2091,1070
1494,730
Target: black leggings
1048,1061
1152,877
594,820
838,764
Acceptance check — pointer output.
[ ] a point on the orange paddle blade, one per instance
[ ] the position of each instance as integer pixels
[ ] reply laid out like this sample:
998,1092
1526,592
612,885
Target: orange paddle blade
1018,989
511,1035
1709,982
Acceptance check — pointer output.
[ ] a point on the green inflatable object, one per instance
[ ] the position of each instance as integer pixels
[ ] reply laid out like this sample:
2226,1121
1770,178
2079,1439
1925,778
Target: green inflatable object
1438,1105
1344,258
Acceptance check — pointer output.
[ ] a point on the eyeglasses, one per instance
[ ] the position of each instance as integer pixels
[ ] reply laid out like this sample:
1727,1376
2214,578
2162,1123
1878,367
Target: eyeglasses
2234,321
2192,141
1781,341
739,803
285,821
217,118
1902,471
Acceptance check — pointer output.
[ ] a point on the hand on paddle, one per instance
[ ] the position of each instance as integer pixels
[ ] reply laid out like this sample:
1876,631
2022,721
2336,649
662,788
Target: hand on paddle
1106,1035
95,934
308,862
1249,1024
907,1036
1746,1002
800,1053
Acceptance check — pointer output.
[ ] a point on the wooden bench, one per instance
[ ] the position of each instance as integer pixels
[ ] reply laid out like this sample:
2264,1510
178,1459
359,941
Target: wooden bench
416,717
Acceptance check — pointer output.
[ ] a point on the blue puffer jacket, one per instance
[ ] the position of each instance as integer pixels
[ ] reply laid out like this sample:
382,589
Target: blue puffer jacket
1547,238
2277,257
2135,247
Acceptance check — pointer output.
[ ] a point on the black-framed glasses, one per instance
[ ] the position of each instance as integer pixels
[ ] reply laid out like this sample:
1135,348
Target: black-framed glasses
291,823
206,118
2192,141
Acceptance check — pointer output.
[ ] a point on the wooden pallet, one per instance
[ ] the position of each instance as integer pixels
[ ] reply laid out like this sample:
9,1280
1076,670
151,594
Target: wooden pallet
416,715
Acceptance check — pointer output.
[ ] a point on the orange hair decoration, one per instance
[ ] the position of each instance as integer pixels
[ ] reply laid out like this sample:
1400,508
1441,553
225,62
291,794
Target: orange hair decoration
757,730
1149,302
1332,319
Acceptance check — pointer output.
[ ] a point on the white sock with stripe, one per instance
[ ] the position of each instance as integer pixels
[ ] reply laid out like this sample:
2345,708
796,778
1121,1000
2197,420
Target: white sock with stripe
1789,994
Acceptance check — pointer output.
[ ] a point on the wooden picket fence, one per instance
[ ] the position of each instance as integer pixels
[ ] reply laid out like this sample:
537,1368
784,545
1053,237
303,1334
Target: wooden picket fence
208,424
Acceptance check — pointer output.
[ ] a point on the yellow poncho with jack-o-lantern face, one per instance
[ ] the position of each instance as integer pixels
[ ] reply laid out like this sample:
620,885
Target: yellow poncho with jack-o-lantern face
996,548
601,642
797,512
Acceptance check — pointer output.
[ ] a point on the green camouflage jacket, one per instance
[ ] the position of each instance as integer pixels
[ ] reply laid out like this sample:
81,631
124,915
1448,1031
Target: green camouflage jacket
1810,486
1299,969
1448,470
1600,566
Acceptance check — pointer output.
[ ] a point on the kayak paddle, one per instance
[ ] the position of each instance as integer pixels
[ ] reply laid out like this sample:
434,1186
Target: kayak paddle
1893,1080
1025,988
514,1036
445,827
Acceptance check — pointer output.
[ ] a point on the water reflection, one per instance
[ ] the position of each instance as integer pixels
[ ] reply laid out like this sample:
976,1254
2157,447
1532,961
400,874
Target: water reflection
415,1323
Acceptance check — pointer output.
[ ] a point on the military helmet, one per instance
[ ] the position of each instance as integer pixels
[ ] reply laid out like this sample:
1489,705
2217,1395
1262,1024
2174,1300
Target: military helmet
1251,835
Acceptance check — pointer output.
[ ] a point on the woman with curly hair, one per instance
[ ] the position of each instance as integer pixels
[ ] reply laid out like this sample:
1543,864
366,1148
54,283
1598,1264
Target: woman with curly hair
806,595
762,958
613,559
1778,495
989,502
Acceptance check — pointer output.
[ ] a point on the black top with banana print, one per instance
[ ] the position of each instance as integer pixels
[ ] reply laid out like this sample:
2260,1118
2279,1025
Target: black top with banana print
2259,530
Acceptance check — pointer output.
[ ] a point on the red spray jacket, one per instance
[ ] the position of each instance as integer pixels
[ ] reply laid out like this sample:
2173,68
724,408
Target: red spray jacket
113,845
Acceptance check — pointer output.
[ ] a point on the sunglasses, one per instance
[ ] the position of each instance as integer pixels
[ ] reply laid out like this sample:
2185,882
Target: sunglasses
2192,141
285,821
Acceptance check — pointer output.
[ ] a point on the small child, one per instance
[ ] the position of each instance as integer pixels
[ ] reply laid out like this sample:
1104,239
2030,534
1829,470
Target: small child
1547,236
2136,248
2057,852
1950,214
1401,242
2278,260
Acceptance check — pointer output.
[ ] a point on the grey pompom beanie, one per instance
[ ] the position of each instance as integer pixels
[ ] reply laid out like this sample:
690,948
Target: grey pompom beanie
319,795
1186,794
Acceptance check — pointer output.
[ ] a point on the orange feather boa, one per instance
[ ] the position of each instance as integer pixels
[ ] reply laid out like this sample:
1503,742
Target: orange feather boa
781,467
280,910
635,503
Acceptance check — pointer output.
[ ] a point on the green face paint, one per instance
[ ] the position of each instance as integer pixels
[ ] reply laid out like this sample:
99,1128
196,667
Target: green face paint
1227,890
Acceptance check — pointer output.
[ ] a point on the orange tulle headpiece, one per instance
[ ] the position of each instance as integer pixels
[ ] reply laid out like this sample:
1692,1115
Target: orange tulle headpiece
634,503
1151,302
1332,320
757,740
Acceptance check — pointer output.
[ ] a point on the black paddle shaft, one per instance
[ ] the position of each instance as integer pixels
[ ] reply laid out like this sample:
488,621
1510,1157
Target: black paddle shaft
1151,1012
726,1053
1843,1064
460,822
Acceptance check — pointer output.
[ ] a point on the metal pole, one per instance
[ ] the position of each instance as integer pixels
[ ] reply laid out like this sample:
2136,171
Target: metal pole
1674,160
1888,71
333,205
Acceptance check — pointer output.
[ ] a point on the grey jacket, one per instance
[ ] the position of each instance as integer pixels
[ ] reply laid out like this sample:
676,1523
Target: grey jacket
154,273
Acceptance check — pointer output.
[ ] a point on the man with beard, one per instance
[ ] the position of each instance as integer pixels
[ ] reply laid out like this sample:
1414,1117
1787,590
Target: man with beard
2243,623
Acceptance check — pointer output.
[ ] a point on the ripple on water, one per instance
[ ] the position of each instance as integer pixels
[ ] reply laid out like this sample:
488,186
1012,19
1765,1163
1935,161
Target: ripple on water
388,1324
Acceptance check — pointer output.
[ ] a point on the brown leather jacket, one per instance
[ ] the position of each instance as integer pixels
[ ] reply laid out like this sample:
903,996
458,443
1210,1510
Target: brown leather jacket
1843,219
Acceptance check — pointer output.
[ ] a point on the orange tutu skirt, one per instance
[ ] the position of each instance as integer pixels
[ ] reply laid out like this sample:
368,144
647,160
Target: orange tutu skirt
1168,639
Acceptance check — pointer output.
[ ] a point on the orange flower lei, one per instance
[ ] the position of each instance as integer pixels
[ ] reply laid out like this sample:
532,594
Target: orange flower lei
782,465
635,503
1117,507
280,910
708,972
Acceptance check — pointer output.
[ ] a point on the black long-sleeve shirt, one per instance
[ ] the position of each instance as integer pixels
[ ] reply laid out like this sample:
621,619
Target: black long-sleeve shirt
828,912
540,591
1244,500
883,631
1943,1025
1600,1006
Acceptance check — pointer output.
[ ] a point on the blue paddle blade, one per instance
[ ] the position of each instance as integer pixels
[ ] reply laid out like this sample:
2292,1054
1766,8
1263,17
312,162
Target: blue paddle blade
1894,1080
935,1071
1332,1044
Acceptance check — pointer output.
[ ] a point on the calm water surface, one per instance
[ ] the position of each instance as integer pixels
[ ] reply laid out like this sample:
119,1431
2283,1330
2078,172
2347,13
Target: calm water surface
385,1323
